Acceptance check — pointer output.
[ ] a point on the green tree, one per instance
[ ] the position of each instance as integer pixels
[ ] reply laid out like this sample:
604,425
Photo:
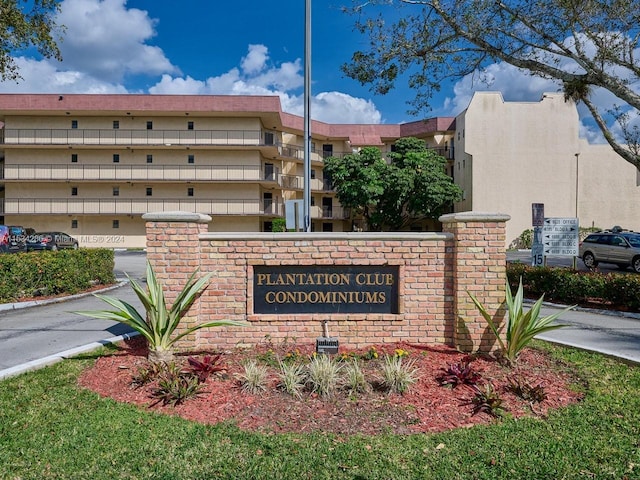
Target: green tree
25,24
390,195
586,45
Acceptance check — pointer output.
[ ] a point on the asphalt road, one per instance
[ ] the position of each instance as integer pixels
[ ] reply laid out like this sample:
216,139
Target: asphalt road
524,256
30,334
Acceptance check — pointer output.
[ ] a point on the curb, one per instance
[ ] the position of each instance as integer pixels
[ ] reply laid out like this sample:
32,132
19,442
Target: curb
5,307
58,357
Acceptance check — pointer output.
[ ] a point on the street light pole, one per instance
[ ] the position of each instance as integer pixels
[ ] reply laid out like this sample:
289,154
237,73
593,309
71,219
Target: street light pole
307,118
577,166
575,259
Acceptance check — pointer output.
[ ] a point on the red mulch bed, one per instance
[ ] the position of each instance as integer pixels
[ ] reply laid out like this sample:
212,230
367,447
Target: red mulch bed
427,407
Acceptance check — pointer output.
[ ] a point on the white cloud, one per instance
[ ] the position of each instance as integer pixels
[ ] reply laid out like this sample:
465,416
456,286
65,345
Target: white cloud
107,40
256,77
255,60
43,77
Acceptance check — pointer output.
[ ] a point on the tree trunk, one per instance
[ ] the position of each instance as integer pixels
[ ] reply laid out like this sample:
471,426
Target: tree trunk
161,356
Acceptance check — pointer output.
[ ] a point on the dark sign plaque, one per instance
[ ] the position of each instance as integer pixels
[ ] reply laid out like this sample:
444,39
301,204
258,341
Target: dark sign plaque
325,289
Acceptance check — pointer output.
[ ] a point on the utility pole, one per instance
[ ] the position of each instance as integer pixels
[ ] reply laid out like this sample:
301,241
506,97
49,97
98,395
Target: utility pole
307,118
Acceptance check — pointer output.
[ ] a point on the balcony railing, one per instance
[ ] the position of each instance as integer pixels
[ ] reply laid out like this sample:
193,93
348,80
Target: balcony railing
138,173
31,136
330,213
122,206
295,182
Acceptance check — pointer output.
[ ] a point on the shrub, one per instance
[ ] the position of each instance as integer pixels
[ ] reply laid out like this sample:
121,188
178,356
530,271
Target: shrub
205,367
175,386
254,379
563,285
160,323
292,378
355,380
526,391
522,326
52,273
397,376
487,400
322,375
461,373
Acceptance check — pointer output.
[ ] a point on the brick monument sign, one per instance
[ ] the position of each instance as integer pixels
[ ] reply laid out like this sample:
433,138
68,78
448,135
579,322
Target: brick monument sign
369,288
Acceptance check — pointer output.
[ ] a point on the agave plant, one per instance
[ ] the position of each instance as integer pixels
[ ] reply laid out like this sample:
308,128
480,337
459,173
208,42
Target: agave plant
160,323
522,326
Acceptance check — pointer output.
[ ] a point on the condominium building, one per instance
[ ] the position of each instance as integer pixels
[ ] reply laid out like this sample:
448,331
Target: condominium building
91,165
509,155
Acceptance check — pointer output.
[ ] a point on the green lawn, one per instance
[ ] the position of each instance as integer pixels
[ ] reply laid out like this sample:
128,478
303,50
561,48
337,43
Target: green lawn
51,429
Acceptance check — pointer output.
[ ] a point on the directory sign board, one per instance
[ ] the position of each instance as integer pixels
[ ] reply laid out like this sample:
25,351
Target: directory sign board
560,236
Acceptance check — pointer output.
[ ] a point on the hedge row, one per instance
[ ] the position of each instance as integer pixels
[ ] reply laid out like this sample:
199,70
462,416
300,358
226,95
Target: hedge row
35,274
563,285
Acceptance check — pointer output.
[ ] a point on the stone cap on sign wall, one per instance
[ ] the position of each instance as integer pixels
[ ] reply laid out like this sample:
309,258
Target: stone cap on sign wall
268,236
177,216
474,217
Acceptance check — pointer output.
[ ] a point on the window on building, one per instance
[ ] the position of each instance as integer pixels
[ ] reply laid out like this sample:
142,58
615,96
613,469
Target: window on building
149,191
74,223
327,150
190,192
116,124
267,227
327,227
116,158
74,158
115,224
74,123
269,138
74,191
149,158
267,200
189,125
149,125
116,191
191,158
313,174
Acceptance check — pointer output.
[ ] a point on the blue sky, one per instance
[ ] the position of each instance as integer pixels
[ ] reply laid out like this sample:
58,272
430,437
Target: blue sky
245,47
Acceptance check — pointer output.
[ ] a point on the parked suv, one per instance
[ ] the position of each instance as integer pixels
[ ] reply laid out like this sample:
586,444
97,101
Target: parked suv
616,246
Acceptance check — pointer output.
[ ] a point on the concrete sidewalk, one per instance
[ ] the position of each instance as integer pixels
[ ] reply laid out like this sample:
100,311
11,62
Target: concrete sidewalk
608,332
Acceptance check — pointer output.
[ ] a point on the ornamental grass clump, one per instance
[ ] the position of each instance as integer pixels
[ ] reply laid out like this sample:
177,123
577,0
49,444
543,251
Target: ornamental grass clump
292,378
160,323
522,326
354,378
323,374
398,376
254,379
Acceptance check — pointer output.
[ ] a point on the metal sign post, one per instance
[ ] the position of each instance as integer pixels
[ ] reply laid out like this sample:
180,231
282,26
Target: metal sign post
537,220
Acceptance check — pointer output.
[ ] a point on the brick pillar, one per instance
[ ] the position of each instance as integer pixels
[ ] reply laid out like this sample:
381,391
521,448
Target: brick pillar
479,267
173,250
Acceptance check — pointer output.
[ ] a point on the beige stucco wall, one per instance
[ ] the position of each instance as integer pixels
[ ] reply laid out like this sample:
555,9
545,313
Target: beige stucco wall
608,189
518,153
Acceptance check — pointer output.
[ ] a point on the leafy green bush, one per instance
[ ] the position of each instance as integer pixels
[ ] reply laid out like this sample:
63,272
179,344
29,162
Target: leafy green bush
563,285
51,273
